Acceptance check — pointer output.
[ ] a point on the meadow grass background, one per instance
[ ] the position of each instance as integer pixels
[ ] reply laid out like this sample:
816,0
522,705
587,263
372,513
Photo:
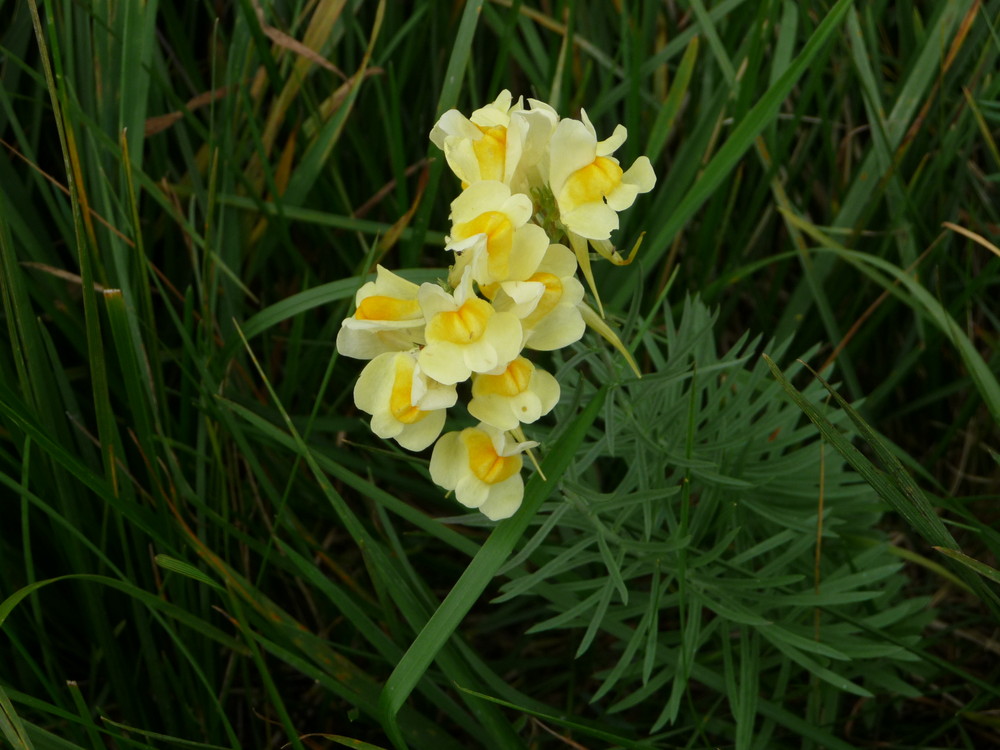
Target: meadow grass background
203,545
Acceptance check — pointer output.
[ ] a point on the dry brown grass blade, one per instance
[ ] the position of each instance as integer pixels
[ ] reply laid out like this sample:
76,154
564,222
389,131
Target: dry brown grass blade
67,275
346,90
383,191
320,27
956,45
281,176
323,18
547,22
284,171
60,273
856,326
977,238
65,190
159,123
562,738
292,44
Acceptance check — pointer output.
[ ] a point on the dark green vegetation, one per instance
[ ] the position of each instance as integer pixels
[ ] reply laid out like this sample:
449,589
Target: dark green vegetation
202,544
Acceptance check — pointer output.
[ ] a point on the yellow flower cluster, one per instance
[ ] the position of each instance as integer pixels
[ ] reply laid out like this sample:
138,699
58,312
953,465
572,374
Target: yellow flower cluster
530,180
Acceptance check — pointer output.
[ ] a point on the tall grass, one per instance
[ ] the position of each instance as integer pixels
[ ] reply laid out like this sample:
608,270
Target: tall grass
203,545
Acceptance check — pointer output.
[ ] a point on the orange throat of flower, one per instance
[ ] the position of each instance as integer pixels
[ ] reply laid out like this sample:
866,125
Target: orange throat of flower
485,462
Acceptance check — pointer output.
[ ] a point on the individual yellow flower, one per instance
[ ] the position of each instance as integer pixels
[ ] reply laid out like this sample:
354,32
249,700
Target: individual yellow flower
548,302
404,403
520,394
464,333
491,235
388,318
589,186
483,467
501,141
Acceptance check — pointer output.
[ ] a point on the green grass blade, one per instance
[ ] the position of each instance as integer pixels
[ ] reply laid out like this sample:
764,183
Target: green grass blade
923,72
986,571
346,741
153,602
368,489
453,78
497,729
11,726
562,721
664,123
714,41
483,567
185,569
897,489
743,136
319,152
983,376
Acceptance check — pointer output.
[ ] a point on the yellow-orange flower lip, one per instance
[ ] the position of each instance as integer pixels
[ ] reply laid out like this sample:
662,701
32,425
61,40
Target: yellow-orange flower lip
512,381
379,307
484,461
400,403
462,326
593,182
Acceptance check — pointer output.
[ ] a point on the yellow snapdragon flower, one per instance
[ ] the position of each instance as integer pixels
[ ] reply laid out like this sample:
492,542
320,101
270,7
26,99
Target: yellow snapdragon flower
405,404
387,318
491,234
520,394
501,141
464,333
589,185
482,465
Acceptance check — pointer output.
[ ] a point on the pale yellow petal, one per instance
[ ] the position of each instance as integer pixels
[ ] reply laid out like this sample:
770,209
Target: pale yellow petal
478,198
448,461
559,260
526,407
504,499
592,220
452,123
495,113
641,175
530,245
471,492
385,426
572,148
436,395
374,384
362,344
460,153
622,196
434,300
419,435
519,297
493,410
560,328
546,387
390,284
480,356
505,335
609,145
444,362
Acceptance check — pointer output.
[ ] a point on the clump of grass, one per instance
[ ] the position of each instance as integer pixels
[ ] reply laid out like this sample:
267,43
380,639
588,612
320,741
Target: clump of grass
203,544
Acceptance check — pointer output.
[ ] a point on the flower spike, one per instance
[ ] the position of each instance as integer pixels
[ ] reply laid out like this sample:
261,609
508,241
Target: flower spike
538,193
